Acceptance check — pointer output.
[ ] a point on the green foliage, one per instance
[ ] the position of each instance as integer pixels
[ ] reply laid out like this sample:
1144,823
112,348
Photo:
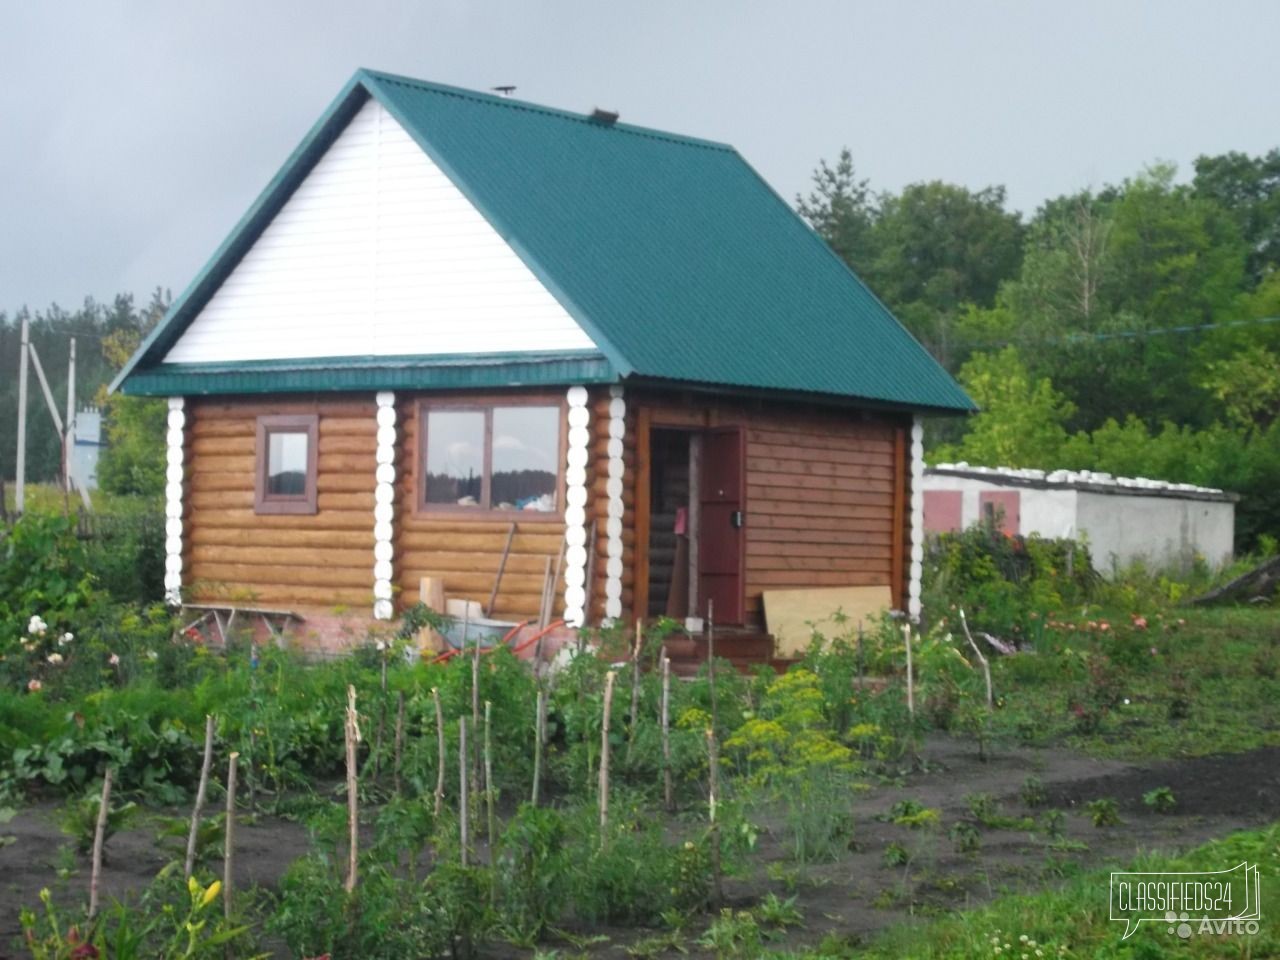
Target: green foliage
1022,419
171,919
1032,792
1161,800
1103,812
78,819
1006,585
965,837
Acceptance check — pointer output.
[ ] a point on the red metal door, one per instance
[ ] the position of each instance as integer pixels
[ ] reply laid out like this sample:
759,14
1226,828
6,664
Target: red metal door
721,537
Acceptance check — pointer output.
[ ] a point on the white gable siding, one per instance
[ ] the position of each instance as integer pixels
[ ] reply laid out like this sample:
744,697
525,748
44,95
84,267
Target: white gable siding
377,252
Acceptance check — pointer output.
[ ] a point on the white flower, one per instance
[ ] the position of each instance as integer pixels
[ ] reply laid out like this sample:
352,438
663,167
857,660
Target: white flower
152,655
65,639
114,660
37,626
54,658
1126,701
380,645
28,645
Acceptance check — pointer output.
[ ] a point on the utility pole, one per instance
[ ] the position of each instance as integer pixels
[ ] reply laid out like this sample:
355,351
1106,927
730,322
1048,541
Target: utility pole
69,437
21,493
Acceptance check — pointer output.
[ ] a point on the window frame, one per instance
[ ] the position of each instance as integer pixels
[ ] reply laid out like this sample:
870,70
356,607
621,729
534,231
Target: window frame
265,503
485,405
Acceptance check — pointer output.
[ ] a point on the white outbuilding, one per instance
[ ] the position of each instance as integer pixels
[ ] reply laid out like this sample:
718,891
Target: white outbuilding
1123,519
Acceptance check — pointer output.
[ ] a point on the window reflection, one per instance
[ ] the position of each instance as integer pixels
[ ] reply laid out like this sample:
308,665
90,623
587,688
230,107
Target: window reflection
455,457
287,464
526,448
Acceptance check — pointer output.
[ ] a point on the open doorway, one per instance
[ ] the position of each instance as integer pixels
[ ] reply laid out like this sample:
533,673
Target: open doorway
696,518
671,568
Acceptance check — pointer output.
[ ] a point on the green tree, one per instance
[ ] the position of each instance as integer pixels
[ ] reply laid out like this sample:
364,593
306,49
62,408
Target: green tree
133,462
1248,188
1021,423
940,247
841,210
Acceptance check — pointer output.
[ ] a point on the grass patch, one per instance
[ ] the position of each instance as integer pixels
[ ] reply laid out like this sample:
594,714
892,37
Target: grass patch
1073,921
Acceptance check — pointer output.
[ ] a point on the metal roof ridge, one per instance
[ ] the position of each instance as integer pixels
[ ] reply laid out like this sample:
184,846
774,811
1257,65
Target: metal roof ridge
492,100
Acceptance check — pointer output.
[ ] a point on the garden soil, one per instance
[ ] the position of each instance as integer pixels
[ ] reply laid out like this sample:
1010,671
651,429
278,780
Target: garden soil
851,898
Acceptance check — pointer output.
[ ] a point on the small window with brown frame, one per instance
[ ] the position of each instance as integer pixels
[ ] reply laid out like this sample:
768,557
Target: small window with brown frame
285,472
491,458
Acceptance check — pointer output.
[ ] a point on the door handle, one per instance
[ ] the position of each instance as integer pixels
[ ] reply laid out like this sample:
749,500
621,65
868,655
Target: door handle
738,519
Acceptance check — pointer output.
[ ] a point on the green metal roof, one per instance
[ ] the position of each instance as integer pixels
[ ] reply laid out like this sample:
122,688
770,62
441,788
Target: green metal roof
371,373
673,254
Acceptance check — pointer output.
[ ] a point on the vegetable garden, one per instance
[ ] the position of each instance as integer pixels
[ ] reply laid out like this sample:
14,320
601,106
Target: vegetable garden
382,806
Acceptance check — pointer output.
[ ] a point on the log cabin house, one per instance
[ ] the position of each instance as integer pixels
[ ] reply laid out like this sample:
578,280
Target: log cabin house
459,333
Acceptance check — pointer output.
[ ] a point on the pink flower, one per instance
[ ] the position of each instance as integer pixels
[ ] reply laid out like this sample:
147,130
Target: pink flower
1104,626
34,685
1139,623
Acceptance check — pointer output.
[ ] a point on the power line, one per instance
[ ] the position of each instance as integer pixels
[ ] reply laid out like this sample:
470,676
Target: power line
1117,334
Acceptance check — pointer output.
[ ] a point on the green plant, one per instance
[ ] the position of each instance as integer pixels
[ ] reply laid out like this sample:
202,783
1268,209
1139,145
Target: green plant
531,872
895,855
1051,822
734,935
965,837
1161,800
1033,793
78,819
210,835
1103,812
912,814
772,911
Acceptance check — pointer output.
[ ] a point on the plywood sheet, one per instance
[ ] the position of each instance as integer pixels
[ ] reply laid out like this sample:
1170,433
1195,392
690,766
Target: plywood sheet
792,615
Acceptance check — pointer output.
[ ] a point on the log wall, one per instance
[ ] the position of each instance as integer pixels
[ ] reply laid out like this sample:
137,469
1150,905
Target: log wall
296,561
824,491
464,551
598,505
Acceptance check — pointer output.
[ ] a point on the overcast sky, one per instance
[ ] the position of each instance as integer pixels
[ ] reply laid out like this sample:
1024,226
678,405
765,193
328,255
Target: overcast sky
133,135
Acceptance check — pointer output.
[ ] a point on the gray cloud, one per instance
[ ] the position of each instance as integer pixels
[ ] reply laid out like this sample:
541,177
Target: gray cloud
135,134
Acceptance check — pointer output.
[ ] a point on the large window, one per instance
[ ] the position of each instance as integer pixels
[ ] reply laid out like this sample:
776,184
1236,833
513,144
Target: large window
285,475
491,458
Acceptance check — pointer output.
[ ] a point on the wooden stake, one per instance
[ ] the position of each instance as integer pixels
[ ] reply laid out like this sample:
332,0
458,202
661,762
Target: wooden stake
463,800
440,751
502,566
189,864
490,833
474,759
668,793
986,666
634,719
399,745
713,798
604,755
229,836
911,691
539,734
711,661
353,792
99,838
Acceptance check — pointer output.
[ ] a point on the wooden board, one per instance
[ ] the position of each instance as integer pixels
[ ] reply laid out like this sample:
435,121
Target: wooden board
790,613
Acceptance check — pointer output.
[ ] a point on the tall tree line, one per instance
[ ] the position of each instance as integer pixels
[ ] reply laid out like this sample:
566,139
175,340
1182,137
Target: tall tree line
1130,329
